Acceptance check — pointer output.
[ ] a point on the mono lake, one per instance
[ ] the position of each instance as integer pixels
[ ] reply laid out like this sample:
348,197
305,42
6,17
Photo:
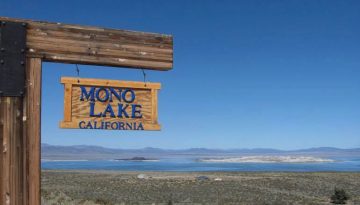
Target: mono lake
190,165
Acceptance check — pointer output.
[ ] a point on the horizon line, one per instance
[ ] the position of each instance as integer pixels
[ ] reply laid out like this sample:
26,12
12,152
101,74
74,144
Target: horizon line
200,148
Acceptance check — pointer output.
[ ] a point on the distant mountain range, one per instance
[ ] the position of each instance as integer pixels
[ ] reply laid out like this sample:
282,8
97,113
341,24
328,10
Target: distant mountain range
86,152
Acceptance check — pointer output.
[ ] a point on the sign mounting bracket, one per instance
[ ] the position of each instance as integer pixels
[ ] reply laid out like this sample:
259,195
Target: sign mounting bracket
12,58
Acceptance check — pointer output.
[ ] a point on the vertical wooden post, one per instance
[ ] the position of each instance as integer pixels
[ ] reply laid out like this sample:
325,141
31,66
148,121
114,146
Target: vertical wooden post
20,142
11,158
32,131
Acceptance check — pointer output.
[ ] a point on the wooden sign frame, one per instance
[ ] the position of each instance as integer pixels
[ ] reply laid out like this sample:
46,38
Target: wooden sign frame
20,116
71,121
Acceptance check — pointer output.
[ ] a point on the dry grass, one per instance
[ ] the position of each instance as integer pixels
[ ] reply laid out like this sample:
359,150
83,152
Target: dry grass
80,187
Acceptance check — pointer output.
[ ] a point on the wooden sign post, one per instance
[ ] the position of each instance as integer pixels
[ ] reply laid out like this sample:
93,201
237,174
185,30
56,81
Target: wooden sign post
21,54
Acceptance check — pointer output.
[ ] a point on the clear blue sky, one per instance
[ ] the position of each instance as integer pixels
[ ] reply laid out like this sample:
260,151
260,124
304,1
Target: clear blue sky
277,74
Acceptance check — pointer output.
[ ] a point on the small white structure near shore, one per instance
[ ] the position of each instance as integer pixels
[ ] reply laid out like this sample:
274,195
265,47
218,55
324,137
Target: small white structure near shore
142,176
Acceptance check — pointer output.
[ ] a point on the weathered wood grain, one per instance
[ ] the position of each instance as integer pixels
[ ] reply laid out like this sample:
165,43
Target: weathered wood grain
66,43
154,97
67,102
146,96
32,130
109,83
11,157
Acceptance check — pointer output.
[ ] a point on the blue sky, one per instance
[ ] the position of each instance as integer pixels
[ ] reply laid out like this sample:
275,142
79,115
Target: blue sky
247,74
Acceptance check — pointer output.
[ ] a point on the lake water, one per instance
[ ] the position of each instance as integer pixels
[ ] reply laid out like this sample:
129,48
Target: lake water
187,165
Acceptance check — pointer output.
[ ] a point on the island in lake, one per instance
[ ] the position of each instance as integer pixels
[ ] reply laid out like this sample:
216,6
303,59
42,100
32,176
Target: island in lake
138,159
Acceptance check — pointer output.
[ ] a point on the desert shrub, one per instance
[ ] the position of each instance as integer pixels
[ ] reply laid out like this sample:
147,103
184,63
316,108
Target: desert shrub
102,202
339,196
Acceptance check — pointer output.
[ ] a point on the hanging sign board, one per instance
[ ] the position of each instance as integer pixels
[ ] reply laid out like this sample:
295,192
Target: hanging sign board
110,104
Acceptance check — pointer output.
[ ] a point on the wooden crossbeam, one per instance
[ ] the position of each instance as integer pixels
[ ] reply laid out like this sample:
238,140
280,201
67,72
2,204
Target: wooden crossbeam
65,43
